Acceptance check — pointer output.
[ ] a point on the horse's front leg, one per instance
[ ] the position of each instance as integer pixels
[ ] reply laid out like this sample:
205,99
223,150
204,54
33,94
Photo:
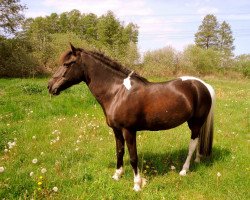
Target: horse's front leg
119,154
130,138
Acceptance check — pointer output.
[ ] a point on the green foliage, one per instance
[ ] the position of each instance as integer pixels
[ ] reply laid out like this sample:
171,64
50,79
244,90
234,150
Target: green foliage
242,64
32,88
203,61
15,59
193,60
160,62
10,15
51,35
82,161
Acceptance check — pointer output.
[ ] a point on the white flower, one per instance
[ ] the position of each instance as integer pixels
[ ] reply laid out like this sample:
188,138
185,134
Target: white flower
1,169
218,174
11,144
6,150
55,189
34,161
56,132
33,137
43,170
31,173
172,167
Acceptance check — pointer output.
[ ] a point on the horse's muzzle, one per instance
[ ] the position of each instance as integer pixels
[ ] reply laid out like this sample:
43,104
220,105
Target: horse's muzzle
52,89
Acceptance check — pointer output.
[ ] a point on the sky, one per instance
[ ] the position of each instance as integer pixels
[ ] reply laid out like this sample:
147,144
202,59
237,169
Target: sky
161,23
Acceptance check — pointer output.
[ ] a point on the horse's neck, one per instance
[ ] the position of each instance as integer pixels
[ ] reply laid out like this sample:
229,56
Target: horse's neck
104,83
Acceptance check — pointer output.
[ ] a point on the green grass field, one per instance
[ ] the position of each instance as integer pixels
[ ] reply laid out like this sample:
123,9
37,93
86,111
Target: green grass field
61,148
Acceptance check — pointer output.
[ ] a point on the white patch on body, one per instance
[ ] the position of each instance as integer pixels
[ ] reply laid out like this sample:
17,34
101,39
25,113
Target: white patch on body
118,173
127,83
192,146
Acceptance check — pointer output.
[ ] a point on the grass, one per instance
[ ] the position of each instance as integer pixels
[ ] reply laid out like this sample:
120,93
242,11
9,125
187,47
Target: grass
69,137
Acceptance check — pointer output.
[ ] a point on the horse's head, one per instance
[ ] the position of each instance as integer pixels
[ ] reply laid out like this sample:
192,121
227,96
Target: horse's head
70,72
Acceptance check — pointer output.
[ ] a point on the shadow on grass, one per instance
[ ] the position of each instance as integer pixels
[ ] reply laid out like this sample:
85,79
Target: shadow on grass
153,164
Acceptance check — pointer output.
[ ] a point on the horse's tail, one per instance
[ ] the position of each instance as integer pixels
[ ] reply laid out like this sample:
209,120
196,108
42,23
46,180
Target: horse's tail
207,130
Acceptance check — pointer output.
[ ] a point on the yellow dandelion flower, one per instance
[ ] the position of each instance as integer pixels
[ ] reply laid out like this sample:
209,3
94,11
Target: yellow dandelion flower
39,183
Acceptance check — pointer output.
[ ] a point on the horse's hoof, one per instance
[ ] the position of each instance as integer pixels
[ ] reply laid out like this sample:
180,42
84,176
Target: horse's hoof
118,174
183,172
140,184
137,188
116,177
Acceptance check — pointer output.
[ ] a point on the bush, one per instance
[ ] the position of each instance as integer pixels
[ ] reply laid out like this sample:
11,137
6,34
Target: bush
160,62
242,64
15,59
202,61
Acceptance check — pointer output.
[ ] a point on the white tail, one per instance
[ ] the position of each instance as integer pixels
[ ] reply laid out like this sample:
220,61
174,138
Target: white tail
206,132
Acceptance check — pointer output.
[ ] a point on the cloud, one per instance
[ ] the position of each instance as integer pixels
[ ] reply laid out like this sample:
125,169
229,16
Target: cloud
208,10
33,14
119,7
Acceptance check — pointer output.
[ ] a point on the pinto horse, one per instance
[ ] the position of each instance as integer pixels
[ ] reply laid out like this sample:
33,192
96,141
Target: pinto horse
131,103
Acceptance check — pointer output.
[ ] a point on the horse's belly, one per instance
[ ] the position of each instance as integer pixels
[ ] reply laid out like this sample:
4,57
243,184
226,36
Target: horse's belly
163,123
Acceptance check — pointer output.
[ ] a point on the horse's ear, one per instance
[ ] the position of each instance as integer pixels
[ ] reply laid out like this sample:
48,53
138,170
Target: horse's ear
73,49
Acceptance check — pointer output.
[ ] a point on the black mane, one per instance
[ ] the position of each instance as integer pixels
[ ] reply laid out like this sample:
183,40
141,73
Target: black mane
113,64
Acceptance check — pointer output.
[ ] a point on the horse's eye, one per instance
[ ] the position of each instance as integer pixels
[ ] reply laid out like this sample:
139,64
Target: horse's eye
69,64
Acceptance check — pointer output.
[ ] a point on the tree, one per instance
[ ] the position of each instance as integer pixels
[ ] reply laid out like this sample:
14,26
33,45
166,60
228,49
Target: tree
226,39
207,35
10,15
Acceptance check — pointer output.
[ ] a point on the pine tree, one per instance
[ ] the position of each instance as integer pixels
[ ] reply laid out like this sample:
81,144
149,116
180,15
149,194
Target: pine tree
207,35
226,39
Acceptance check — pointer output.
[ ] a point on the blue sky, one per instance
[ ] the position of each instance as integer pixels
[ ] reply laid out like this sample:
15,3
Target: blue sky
161,23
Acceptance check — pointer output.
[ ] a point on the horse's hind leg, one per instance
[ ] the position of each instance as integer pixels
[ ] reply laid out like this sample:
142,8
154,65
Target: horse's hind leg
192,146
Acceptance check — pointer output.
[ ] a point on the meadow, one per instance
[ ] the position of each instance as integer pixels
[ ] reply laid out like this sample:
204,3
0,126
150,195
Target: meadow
61,148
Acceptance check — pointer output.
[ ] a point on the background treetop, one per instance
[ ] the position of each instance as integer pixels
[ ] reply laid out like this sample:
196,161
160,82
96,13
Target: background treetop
11,16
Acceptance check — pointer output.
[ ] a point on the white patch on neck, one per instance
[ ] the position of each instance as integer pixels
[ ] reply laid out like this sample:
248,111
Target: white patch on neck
127,81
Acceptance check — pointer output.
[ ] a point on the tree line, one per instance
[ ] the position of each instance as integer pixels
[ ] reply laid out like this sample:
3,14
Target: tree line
37,45
31,47
211,53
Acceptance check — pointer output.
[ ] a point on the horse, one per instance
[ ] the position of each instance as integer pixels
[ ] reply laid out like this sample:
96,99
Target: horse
131,103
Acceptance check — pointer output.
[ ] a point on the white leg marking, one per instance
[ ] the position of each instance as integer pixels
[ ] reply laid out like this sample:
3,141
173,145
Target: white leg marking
139,182
192,147
118,173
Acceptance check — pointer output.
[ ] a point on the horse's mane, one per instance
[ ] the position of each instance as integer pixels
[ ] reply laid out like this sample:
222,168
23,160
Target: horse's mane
114,64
